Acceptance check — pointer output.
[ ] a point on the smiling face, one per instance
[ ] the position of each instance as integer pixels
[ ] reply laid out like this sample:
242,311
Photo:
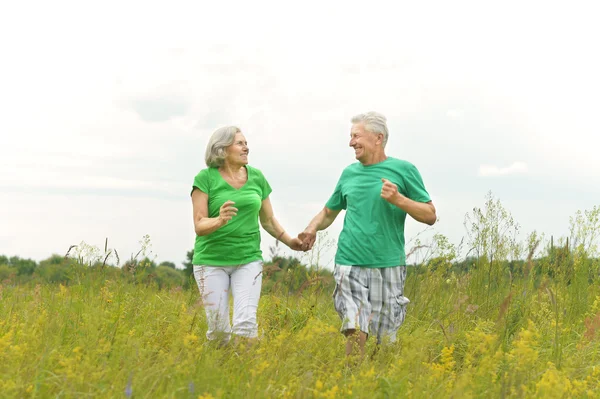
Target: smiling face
367,145
237,153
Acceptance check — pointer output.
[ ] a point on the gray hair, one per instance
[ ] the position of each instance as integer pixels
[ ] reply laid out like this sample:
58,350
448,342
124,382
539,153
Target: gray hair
374,122
215,149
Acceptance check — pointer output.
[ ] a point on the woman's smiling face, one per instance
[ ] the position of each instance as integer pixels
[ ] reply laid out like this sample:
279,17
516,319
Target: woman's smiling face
237,153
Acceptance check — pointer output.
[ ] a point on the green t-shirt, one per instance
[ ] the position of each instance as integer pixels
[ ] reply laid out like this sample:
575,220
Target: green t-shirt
373,232
237,242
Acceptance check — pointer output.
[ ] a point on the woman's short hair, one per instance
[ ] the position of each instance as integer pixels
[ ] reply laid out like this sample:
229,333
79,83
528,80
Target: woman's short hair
374,122
215,149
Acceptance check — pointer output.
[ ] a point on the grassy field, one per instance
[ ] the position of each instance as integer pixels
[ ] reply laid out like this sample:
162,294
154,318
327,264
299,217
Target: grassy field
530,330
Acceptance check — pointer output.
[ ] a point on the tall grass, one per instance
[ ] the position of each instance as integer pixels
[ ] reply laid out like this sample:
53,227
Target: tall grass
487,326
533,336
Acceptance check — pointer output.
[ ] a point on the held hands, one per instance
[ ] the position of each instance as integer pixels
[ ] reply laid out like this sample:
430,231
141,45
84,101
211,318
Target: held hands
308,238
227,212
389,192
296,244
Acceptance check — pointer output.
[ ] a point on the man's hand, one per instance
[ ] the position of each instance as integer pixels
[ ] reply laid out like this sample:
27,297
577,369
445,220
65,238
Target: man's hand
389,192
423,212
308,237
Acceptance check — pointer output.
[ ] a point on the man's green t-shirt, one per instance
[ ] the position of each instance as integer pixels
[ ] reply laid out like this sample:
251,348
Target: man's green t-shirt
237,242
373,232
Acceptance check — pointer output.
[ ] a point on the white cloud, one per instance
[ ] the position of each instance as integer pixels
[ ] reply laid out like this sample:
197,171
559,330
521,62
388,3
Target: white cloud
456,114
516,168
121,112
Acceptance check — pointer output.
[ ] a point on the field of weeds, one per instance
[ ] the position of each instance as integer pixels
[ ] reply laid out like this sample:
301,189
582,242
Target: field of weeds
534,336
508,320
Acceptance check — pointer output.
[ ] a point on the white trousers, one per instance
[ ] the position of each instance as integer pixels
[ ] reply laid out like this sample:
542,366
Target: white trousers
215,283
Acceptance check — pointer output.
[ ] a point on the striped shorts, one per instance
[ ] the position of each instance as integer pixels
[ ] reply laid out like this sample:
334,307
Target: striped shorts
371,299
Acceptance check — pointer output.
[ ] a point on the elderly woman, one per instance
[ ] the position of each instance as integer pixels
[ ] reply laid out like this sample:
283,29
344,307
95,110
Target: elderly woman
229,198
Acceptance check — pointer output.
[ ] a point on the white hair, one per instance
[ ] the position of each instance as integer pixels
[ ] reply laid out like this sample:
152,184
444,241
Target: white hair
222,138
374,122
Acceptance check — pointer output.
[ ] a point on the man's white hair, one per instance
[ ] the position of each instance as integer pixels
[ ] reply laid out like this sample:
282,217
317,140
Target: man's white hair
215,150
374,122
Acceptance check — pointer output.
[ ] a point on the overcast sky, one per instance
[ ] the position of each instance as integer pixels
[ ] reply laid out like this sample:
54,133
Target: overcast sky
107,108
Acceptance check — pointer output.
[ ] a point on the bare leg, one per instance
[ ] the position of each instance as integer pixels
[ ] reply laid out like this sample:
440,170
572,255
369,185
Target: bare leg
355,339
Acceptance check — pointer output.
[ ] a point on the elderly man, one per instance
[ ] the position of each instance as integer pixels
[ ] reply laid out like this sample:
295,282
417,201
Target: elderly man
377,192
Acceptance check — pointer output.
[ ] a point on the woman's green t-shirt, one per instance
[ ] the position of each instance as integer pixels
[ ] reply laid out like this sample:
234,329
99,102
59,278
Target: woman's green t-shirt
237,242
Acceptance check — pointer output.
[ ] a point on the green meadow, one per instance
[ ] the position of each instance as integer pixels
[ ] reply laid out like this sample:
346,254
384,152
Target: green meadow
502,314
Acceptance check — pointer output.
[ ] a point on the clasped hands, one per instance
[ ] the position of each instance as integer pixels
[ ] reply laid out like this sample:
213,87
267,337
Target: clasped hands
304,242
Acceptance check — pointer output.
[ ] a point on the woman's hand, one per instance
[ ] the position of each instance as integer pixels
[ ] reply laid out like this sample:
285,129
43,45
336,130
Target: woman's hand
227,211
296,244
204,225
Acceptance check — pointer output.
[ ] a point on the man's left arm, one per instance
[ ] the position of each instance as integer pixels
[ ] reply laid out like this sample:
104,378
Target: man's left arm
423,212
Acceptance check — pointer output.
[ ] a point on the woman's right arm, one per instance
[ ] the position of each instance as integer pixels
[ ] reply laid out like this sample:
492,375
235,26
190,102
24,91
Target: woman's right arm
203,225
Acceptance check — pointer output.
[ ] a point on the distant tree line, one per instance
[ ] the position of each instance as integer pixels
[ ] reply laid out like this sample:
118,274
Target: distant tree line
280,273
66,270
494,253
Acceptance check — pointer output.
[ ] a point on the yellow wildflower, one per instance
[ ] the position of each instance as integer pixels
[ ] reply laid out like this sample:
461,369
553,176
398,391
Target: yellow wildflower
553,384
369,373
331,393
190,340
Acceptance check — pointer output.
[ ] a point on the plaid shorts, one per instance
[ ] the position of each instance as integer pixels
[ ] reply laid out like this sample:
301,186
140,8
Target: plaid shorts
371,299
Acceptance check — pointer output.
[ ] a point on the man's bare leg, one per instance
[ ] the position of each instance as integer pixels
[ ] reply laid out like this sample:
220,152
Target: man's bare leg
355,339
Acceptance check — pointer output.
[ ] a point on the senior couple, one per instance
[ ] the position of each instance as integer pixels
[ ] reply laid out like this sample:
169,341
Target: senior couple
377,192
